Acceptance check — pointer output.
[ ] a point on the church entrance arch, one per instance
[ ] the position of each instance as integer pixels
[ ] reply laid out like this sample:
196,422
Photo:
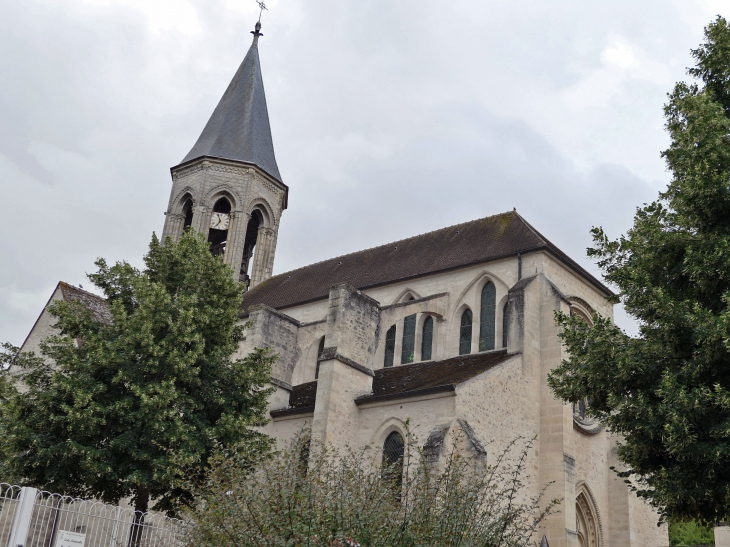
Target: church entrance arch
587,523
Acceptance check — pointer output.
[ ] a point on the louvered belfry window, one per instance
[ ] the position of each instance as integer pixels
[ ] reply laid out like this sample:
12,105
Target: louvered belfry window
427,340
389,347
393,449
465,333
319,354
409,340
487,317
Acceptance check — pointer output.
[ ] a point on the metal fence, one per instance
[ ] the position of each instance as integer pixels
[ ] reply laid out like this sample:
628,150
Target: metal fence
33,518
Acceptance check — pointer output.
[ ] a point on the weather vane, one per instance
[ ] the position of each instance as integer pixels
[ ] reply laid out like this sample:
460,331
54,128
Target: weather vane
262,6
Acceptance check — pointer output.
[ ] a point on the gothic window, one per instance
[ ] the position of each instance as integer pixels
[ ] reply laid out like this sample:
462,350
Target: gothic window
393,449
219,222
587,523
487,316
252,234
427,339
504,325
389,347
320,350
409,340
187,212
465,333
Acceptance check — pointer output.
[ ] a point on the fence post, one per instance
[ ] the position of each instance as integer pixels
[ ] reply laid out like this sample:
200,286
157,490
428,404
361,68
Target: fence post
23,514
722,535
115,532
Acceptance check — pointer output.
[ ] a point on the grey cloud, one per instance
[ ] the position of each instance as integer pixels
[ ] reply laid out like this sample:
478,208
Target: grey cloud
389,119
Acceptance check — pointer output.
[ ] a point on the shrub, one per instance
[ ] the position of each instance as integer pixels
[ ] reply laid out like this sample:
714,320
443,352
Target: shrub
319,496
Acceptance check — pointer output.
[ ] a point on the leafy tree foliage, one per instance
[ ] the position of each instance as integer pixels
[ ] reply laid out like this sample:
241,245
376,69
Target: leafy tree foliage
690,532
319,497
114,406
667,392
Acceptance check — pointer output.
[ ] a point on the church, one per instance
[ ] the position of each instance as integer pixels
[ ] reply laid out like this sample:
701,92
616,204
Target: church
449,330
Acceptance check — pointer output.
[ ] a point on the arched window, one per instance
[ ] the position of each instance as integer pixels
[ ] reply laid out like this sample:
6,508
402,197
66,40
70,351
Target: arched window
505,325
486,317
427,339
465,333
219,222
187,212
393,449
320,350
249,244
389,347
409,340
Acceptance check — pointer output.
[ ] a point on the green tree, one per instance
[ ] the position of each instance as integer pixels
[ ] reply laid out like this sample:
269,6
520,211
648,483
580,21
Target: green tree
667,392
128,399
690,532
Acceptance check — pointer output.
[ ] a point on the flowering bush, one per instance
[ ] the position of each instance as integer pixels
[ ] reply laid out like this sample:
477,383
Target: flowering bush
320,497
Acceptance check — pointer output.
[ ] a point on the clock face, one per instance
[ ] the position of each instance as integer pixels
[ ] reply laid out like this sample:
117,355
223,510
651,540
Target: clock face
220,221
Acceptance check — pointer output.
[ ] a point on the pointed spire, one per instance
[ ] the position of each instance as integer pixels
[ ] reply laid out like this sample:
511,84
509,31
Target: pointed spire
239,128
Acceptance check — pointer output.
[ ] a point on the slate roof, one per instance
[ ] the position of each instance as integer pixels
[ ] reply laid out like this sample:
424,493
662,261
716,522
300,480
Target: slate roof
474,242
96,303
239,127
406,380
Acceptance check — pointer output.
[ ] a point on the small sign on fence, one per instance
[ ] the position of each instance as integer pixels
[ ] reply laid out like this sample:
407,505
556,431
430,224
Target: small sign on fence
70,539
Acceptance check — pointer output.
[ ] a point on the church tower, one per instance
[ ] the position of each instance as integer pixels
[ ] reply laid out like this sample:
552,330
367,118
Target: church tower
228,187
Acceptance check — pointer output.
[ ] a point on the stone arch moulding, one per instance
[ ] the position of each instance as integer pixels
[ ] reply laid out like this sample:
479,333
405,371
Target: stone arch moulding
179,200
222,191
481,279
587,519
582,305
262,205
404,294
387,427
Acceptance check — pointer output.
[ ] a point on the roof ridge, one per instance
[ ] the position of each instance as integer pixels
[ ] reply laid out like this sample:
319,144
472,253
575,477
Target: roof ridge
64,285
397,241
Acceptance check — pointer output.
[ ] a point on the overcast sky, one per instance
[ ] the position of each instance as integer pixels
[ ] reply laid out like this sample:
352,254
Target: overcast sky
389,119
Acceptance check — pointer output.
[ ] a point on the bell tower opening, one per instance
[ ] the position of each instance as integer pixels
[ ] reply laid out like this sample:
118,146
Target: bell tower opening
219,222
187,213
252,234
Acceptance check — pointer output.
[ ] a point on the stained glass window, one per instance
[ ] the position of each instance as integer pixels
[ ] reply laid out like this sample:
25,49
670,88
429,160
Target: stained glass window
465,333
409,340
427,340
319,354
487,317
389,347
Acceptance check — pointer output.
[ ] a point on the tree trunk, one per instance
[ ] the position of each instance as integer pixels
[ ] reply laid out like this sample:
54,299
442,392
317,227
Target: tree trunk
136,534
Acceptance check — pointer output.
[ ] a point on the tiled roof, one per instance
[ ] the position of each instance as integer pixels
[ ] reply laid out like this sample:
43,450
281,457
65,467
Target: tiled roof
96,303
474,242
239,127
396,381
407,380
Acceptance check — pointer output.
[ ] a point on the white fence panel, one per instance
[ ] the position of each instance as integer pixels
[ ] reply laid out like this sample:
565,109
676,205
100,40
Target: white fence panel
53,520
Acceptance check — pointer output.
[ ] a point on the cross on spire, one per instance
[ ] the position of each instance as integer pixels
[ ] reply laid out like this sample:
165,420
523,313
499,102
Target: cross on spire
262,6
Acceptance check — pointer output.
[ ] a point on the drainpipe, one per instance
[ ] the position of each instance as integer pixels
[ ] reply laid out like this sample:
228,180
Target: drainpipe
519,266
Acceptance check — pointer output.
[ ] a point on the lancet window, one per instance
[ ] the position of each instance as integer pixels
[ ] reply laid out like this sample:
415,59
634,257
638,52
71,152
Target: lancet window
465,333
487,317
427,339
249,245
389,347
409,340
393,449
